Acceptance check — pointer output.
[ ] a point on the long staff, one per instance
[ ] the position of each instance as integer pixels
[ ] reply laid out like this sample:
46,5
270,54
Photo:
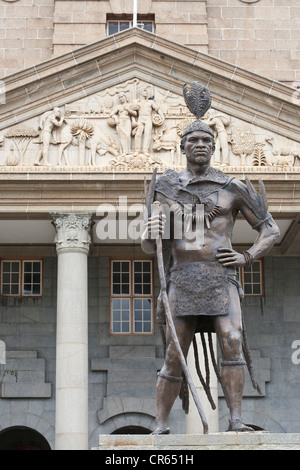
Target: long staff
164,297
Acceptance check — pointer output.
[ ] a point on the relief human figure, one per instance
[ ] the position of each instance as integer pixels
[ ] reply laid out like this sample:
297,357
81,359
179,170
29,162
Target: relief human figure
144,125
218,122
203,292
122,115
49,121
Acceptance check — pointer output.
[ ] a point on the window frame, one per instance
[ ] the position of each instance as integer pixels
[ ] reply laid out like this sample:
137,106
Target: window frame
21,273
132,296
128,18
262,279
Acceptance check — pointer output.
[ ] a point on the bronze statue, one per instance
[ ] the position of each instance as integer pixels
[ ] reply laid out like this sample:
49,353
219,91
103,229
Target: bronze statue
203,293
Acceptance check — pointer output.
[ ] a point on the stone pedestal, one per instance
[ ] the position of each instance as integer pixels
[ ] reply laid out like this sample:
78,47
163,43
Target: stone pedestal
194,442
72,245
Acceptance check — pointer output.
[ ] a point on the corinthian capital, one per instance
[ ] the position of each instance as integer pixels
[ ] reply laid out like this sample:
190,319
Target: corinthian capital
72,231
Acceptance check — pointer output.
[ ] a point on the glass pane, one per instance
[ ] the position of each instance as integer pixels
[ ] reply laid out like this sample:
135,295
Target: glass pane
27,289
36,267
27,278
36,278
125,289
6,289
138,289
148,26
138,303
27,266
138,315
6,267
112,27
5,278
125,266
125,315
116,289
116,266
247,289
15,267
123,25
138,327
116,327
125,327
116,315
137,266
256,289
146,267
147,289
125,278
14,290
256,266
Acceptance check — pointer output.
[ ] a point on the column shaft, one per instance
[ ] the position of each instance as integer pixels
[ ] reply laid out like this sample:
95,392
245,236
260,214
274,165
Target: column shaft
193,420
72,242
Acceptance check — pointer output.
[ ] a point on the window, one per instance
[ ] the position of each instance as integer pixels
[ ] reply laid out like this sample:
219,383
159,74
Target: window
21,278
252,279
131,297
116,24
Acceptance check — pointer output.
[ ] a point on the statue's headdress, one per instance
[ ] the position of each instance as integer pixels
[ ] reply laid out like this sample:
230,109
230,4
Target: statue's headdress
198,100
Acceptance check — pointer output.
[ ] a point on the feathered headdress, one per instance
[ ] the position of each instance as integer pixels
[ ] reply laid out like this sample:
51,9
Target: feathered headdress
198,101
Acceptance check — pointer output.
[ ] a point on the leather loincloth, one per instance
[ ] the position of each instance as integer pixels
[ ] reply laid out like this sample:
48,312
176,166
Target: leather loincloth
202,290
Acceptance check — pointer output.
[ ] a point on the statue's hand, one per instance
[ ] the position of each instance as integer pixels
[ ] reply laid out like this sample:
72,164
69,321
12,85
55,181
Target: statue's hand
156,226
230,257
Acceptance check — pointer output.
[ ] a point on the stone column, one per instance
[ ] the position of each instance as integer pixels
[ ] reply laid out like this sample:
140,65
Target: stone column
193,420
72,245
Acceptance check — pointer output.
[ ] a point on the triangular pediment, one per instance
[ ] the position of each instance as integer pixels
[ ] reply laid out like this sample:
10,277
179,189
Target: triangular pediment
135,53
255,119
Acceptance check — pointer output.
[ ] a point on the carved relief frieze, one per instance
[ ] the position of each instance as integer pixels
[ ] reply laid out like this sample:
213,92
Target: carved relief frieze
135,127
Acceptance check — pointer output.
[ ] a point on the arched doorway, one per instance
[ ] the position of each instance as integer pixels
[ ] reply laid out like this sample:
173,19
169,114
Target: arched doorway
22,438
132,430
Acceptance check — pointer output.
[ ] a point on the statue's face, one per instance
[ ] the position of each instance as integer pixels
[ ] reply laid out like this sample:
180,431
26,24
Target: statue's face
122,98
198,147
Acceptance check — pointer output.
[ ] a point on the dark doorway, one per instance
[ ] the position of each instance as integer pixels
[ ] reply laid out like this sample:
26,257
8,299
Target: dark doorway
132,430
22,438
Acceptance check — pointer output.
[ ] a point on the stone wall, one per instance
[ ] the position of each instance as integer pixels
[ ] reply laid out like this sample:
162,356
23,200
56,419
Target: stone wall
262,37
273,325
77,23
26,34
117,397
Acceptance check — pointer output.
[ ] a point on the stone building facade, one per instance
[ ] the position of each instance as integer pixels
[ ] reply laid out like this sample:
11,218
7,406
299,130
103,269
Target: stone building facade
80,348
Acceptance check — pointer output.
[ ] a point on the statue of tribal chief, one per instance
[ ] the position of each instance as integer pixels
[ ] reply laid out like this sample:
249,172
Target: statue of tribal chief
202,293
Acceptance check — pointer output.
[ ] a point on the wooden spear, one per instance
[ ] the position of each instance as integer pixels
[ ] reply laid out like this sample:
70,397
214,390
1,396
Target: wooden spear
164,297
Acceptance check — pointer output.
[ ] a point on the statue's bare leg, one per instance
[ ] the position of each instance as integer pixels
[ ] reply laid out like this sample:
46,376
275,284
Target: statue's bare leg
230,336
169,379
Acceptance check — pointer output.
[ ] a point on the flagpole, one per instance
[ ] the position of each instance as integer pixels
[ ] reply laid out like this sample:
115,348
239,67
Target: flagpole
134,23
